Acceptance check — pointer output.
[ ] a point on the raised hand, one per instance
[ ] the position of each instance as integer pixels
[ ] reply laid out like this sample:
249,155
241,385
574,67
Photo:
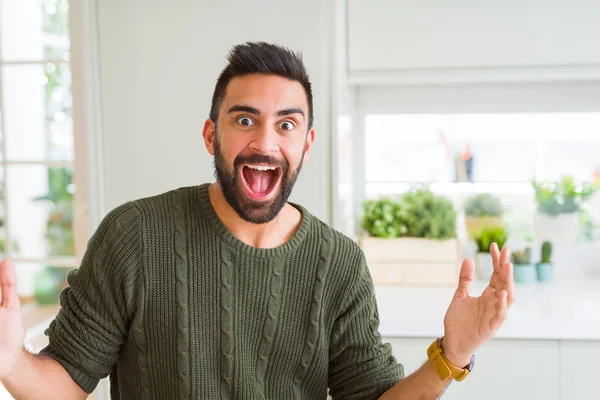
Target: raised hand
12,332
472,321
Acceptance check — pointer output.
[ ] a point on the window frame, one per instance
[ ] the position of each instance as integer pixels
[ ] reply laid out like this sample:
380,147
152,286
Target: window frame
78,164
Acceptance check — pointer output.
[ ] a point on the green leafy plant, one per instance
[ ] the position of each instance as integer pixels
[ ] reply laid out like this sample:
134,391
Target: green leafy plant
521,257
489,235
484,205
546,252
565,196
418,213
382,218
427,215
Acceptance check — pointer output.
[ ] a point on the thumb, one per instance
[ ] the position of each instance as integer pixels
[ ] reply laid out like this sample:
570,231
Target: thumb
465,278
8,285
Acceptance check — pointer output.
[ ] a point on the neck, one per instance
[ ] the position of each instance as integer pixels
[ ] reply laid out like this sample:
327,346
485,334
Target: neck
269,235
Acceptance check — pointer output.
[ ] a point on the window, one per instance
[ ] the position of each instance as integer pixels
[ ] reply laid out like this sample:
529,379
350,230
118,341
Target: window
461,140
506,148
37,163
461,154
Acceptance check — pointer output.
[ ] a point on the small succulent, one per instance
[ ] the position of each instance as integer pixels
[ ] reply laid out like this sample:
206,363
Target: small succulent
522,257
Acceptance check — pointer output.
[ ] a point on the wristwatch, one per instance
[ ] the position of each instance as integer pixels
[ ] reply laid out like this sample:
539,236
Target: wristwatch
445,368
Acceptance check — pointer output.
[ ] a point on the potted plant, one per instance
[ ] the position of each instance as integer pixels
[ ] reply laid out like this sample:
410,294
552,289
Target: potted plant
482,209
382,218
545,267
558,203
411,240
524,271
484,239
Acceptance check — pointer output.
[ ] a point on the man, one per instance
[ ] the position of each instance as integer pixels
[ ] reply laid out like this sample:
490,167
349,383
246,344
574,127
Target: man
228,290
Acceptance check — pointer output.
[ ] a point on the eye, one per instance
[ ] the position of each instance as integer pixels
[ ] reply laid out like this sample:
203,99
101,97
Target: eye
287,125
245,121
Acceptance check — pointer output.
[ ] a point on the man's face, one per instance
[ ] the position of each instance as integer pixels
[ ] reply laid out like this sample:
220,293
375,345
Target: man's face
259,143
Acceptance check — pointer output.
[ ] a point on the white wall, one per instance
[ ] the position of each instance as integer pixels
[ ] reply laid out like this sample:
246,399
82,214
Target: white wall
159,62
465,41
434,34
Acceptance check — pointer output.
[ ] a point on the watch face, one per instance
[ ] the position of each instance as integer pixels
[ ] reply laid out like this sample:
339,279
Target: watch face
472,363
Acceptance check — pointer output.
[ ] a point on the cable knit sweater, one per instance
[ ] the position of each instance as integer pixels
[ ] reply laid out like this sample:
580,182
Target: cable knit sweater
172,306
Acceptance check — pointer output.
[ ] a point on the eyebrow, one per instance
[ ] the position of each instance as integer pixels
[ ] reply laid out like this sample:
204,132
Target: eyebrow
255,111
248,109
288,111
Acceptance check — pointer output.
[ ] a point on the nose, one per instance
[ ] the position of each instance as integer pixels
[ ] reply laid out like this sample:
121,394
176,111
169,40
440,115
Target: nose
265,141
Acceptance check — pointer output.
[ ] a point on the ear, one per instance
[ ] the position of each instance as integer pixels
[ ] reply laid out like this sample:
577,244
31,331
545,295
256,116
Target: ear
310,138
208,133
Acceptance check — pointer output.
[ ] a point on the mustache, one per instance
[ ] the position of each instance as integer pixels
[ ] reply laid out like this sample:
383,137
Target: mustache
260,159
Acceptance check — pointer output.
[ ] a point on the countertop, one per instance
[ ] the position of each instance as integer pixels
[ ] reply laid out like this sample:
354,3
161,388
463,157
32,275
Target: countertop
556,311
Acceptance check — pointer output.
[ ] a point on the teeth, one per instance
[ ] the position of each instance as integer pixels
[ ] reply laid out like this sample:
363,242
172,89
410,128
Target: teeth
261,167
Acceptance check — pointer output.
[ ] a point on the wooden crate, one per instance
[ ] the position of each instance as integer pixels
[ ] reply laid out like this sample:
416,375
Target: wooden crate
412,261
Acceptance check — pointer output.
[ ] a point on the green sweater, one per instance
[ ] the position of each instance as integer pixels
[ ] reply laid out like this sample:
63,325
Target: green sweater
172,306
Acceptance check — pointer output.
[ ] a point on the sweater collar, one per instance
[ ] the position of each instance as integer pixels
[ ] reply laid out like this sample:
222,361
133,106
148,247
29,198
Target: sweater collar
225,235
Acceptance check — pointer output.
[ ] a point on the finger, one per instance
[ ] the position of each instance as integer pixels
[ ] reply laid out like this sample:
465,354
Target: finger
465,278
495,253
508,283
8,284
504,257
494,280
501,311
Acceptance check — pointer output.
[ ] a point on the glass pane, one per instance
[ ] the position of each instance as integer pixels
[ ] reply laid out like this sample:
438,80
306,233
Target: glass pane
37,112
35,30
26,272
39,283
40,210
481,147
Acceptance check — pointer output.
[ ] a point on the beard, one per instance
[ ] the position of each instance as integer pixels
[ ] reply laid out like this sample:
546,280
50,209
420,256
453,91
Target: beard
253,211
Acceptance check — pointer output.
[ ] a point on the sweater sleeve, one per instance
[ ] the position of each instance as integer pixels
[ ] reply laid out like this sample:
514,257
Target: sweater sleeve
92,324
361,366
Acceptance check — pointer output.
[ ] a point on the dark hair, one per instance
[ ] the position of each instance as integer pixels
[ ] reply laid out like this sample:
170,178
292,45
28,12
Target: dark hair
262,58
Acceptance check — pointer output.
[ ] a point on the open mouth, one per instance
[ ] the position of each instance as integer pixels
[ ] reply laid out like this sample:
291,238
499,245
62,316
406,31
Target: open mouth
260,180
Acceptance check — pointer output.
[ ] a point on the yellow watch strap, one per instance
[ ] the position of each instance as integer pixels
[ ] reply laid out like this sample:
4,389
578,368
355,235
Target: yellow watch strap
442,366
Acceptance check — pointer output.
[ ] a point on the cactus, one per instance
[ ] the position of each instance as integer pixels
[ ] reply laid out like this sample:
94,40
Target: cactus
546,252
522,257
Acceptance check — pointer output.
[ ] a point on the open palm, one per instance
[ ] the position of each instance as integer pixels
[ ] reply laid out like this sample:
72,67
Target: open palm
12,333
472,321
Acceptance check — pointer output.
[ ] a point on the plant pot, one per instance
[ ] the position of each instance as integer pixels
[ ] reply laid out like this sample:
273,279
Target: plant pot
545,272
525,274
474,225
412,261
558,229
484,266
